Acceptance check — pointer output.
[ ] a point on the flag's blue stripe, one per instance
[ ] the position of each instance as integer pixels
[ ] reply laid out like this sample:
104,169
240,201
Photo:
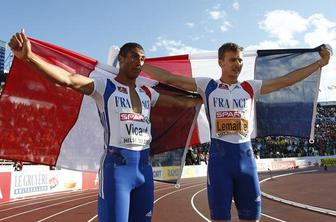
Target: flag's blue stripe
290,110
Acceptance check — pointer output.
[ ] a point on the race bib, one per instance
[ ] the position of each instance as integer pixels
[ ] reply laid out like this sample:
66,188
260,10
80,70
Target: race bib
134,129
230,122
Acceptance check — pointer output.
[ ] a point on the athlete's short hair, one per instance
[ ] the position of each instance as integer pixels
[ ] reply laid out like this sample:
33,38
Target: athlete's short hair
128,47
229,47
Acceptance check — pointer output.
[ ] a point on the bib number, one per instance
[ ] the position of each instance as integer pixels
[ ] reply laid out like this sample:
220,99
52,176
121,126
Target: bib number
231,126
134,129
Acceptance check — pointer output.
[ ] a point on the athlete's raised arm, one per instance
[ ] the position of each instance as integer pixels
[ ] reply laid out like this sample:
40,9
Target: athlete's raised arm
21,47
185,83
295,76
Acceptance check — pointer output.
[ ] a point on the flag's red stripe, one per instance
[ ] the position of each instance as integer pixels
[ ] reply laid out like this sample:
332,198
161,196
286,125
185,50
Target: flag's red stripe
68,53
171,126
178,65
36,115
169,58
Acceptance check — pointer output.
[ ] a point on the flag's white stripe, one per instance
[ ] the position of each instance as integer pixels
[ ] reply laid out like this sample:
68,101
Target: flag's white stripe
84,144
203,126
214,55
312,128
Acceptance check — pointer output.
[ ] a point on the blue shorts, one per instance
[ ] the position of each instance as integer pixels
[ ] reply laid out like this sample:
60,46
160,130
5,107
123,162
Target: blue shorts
232,173
126,191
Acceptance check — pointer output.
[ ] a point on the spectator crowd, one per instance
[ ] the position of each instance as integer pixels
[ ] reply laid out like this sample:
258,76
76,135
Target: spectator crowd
284,146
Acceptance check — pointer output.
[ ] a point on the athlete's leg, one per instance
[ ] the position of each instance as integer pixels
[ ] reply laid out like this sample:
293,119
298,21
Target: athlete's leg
247,193
115,186
220,184
142,197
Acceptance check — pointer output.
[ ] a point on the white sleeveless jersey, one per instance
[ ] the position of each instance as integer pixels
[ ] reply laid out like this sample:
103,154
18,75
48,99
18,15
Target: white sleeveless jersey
229,108
122,126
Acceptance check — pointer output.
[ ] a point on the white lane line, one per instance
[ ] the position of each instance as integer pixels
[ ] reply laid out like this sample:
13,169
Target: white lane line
195,209
35,209
274,218
53,215
179,190
39,202
93,218
287,174
39,197
296,204
167,188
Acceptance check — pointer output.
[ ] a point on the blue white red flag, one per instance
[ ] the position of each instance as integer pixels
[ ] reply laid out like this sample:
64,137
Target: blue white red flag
42,122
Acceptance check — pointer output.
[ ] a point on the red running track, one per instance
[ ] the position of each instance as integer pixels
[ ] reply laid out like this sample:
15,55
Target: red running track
189,203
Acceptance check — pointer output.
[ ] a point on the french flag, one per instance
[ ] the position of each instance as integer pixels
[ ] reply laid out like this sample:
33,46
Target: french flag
42,122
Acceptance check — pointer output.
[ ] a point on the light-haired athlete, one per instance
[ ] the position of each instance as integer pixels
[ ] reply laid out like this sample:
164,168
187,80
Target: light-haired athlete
232,171
126,179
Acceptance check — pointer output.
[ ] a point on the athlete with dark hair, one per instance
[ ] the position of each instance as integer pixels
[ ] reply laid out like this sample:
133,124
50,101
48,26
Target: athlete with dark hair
126,179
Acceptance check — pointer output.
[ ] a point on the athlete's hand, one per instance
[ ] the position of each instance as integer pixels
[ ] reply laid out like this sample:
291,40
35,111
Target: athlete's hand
325,56
20,45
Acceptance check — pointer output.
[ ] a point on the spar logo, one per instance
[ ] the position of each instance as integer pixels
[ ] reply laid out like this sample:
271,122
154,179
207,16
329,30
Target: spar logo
228,114
133,117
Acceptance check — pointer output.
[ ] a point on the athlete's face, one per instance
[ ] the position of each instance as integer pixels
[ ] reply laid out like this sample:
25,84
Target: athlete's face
132,63
231,63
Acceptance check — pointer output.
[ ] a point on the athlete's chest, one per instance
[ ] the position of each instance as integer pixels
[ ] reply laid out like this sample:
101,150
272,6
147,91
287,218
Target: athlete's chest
230,109
230,99
125,99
